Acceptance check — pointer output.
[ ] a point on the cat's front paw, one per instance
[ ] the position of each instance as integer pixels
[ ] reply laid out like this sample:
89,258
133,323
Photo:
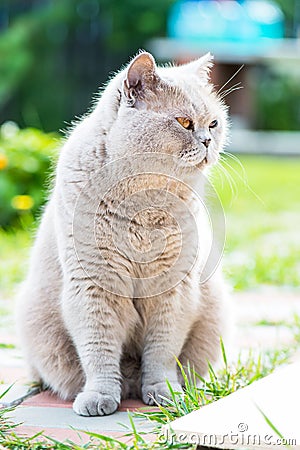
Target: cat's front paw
92,403
159,393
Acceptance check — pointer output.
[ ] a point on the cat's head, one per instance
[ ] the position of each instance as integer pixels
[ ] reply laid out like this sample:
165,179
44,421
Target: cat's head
171,110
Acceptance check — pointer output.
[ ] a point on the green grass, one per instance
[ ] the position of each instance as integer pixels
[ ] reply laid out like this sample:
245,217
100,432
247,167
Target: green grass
261,201
216,385
3,345
14,250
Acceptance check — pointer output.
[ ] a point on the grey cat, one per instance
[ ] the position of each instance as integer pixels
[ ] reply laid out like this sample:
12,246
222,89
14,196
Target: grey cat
114,290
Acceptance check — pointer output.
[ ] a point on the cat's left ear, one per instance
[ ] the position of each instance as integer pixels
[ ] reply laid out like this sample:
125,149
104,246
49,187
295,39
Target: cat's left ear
141,74
201,67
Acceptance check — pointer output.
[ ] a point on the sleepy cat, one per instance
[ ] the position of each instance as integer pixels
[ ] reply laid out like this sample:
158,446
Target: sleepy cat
115,289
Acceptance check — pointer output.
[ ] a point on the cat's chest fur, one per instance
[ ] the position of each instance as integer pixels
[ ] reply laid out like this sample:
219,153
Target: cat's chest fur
146,230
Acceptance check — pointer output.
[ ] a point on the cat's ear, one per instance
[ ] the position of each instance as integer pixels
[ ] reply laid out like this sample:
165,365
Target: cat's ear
201,67
141,74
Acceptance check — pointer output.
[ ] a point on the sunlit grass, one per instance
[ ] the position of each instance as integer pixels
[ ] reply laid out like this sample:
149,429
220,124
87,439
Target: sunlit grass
262,209
231,377
14,251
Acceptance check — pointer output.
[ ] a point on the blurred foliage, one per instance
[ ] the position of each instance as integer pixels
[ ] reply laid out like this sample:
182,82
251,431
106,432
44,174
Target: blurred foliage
54,54
25,165
290,8
278,98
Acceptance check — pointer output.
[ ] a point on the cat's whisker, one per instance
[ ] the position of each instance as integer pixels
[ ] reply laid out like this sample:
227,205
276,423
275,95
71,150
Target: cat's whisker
230,79
220,170
230,87
224,175
225,165
230,92
238,161
236,87
245,182
221,175
229,178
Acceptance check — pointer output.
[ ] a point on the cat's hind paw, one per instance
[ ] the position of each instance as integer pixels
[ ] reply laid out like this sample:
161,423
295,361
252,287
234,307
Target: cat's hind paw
159,393
92,403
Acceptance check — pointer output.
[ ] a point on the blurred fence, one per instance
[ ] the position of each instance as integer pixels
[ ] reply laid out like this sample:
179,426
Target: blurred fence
280,143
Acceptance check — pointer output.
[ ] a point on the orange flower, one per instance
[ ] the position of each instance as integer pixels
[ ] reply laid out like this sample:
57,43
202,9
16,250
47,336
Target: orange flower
22,202
3,161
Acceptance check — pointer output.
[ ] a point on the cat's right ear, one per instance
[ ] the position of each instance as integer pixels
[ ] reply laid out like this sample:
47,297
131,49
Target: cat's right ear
200,67
141,74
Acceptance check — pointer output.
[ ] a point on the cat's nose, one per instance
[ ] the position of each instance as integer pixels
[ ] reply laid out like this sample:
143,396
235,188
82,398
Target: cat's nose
206,142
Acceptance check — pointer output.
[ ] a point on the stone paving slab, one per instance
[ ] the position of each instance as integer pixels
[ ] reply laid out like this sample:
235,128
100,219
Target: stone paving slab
46,418
49,400
46,412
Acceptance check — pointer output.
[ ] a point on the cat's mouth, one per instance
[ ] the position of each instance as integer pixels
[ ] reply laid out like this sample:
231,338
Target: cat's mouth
195,157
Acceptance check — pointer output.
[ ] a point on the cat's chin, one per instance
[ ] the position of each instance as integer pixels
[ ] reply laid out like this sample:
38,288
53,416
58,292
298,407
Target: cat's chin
195,159
209,160
198,158
202,164
199,163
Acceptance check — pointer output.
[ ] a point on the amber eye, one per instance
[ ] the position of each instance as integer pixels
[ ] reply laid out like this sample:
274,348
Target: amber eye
213,124
185,122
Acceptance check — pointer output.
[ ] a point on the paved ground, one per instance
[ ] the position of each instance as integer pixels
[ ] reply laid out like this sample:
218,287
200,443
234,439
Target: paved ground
263,321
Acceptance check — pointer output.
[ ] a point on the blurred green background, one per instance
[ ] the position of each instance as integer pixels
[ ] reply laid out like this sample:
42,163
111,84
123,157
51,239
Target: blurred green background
54,55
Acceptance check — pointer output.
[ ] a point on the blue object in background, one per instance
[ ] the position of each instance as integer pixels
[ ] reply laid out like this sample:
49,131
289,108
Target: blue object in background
244,21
